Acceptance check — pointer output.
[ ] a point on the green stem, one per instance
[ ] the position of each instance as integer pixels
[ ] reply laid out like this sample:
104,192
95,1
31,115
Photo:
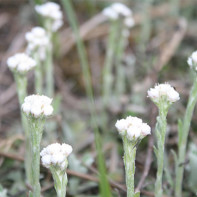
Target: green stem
38,74
107,70
21,83
61,180
104,184
120,78
36,130
183,137
49,61
129,162
160,131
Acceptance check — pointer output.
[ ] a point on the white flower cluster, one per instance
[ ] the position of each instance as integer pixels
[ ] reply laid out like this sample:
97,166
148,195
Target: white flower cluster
133,128
51,11
163,90
192,60
56,155
117,10
37,41
37,106
21,63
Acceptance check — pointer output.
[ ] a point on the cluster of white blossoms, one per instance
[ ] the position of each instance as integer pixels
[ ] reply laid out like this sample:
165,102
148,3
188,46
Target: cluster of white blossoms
52,12
133,128
21,63
37,106
163,91
192,60
56,155
118,10
37,41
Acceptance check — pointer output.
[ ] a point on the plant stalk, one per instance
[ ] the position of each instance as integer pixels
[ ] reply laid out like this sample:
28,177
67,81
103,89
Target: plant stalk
36,130
129,162
21,83
160,131
60,179
104,183
38,74
108,65
183,138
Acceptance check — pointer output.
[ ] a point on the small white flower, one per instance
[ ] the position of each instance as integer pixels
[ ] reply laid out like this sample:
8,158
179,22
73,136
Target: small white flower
56,155
37,41
192,60
121,9
163,90
129,22
51,11
21,63
110,13
37,106
133,128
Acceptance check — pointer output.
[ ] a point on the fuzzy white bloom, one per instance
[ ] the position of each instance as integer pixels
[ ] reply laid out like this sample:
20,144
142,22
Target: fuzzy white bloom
56,155
192,60
21,63
119,10
163,90
110,13
37,106
129,22
37,41
51,11
133,128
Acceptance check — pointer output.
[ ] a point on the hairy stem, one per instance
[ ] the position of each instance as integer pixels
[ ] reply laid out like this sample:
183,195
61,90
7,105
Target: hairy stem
129,162
183,137
107,70
38,74
21,82
49,62
36,130
160,131
60,179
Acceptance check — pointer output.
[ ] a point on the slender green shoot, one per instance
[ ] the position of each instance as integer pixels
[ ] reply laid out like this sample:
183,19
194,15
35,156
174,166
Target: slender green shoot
104,184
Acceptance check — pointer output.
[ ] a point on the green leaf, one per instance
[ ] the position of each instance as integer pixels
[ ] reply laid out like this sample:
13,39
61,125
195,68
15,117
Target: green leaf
137,194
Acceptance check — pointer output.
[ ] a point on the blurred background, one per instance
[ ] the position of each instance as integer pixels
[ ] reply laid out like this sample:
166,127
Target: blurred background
156,51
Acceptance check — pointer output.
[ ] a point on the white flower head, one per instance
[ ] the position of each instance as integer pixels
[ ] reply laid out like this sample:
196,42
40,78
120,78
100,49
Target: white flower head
133,128
37,41
37,106
119,10
56,155
192,61
110,13
21,63
52,12
163,91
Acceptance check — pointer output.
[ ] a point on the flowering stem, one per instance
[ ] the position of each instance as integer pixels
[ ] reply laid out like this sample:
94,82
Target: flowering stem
104,184
160,131
120,85
36,130
129,162
38,74
107,71
49,62
183,137
60,179
21,82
